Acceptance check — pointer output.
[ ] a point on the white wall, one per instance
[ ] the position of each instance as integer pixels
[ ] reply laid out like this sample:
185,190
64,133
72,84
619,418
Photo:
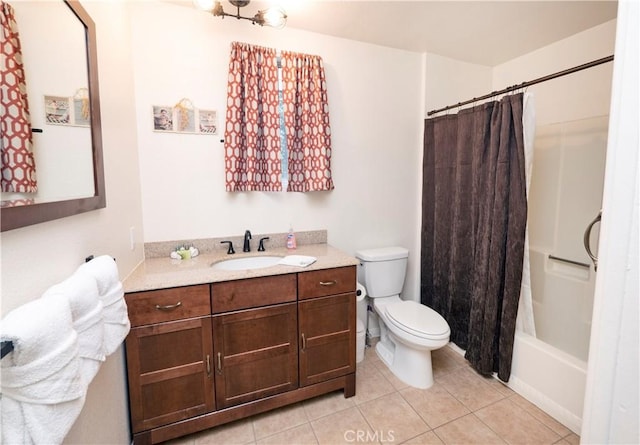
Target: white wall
375,100
36,257
449,81
577,96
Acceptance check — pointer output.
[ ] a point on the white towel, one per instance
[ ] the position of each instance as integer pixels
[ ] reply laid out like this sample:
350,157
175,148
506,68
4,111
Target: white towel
81,290
297,260
42,388
116,318
104,270
114,314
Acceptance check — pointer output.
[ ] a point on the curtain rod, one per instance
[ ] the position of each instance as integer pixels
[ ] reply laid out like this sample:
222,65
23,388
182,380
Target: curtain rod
526,84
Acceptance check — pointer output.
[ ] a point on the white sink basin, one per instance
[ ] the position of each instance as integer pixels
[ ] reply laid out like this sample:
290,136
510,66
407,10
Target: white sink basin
245,263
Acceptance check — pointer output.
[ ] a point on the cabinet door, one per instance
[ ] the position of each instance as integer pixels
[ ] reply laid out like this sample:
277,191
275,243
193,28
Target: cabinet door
170,372
256,353
327,337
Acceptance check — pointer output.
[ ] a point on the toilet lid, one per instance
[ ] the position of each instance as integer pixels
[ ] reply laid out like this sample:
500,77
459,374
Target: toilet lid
418,319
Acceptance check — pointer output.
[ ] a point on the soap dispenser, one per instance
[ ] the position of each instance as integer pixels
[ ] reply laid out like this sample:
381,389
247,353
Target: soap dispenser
291,239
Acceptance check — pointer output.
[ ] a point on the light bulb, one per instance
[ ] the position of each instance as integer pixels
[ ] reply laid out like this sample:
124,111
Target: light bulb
274,17
205,5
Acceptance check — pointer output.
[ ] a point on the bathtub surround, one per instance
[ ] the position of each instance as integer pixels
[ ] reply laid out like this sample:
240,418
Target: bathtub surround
474,218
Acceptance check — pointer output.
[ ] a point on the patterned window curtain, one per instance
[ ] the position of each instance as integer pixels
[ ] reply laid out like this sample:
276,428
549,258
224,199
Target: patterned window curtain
252,142
18,170
306,115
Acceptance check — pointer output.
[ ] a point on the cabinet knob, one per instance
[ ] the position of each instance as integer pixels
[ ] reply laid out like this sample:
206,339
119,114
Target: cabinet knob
328,283
304,342
219,363
208,365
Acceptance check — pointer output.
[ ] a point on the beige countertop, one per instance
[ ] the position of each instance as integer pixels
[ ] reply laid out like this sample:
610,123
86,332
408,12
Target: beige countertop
161,273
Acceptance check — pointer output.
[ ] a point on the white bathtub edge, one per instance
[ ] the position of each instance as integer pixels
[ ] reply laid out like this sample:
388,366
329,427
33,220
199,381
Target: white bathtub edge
549,406
549,378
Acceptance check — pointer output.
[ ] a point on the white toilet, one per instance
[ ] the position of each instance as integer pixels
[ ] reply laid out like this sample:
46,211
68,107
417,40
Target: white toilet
409,331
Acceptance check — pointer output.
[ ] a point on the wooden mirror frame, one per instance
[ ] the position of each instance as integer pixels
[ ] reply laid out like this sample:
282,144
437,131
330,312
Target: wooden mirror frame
21,216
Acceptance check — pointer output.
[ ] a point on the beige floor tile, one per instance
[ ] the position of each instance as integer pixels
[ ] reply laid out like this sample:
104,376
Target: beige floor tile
515,425
573,439
386,411
467,430
187,440
391,377
300,435
370,353
470,388
239,432
371,360
345,427
569,439
444,361
501,387
393,418
543,417
428,438
276,421
435,405
370,384
327,404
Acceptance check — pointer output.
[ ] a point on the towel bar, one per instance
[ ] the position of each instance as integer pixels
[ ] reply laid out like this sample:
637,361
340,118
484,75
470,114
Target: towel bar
564,260
7,347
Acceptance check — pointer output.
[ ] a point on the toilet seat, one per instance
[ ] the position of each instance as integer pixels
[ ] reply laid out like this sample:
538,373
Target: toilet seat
417,319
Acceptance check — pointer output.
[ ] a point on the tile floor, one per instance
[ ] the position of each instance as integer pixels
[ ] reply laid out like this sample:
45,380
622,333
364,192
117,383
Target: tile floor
460,408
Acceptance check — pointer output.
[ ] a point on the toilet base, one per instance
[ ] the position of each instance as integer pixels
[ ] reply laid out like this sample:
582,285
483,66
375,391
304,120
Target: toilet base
411,366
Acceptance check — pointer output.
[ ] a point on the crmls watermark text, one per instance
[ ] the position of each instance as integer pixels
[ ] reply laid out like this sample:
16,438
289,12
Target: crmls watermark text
360,436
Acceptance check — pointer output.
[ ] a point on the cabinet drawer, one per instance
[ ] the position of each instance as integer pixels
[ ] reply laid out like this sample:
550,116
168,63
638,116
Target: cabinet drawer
162,305
320,283
253,292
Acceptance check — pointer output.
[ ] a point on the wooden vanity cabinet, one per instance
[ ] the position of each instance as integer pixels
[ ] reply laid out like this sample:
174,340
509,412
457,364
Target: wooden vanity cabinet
169,353
202,356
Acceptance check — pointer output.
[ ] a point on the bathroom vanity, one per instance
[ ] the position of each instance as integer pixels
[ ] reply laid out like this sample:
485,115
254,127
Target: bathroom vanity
208,347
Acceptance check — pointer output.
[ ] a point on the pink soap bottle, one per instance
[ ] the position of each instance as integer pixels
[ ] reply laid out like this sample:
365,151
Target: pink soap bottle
291,239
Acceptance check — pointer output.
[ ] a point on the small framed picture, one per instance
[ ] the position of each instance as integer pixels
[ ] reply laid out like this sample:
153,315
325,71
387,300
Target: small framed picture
185,120
81,112
57,110
163,118
207,122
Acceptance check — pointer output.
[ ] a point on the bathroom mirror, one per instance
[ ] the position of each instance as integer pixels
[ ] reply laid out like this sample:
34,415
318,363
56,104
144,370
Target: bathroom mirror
75,58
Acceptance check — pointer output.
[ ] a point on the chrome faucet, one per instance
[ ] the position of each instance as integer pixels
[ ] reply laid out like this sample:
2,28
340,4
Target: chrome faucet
246,246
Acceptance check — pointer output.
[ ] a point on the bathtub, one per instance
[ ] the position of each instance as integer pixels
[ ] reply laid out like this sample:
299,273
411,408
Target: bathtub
550,378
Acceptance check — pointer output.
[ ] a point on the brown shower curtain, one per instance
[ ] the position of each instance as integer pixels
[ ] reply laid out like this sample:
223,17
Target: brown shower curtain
474,212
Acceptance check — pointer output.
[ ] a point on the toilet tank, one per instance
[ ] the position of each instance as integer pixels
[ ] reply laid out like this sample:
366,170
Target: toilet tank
382,270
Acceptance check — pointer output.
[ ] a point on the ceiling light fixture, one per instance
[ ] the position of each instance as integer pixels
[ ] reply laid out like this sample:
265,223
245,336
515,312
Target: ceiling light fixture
274,16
